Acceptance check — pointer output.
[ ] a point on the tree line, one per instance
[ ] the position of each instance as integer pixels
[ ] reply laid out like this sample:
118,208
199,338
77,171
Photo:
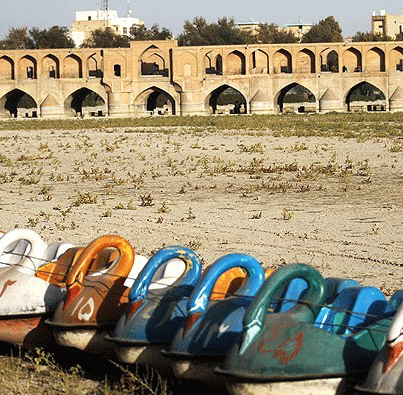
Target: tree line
195,33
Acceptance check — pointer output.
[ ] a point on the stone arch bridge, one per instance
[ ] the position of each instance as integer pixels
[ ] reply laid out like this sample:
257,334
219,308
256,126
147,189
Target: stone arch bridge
158,77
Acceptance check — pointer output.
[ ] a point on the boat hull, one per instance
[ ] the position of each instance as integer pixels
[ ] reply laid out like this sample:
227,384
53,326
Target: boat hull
28,332
197,370
91,340
329,386
144,355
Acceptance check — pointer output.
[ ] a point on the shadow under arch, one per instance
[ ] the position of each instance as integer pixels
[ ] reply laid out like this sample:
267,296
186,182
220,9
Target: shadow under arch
18,103
226,99
296,98
83,102
365,97
155,101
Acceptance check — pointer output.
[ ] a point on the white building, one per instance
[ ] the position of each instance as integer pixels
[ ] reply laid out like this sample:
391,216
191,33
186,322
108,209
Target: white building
88,21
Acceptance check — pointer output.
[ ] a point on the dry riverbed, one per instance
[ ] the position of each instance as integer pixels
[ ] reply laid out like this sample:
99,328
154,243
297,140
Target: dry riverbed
332,202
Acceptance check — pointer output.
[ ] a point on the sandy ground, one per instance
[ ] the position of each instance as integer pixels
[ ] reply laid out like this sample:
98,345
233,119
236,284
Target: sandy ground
330,202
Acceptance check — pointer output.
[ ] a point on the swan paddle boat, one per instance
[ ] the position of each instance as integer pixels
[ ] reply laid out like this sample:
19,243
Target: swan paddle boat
154,316
94,302
211,326
386,373
26,299
155,313
313,348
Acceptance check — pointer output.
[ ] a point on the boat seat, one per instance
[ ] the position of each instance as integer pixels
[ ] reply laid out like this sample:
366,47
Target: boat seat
353,309
168,273
14,252
296,289
394,302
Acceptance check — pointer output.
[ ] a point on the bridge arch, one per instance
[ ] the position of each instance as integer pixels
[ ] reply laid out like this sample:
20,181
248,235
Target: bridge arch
396,59
305,61
50,67
212,63
235,63
155,101
375,60
352,60
7,71
73,67
85,102
226,100
259,62
295,98
18,103
94,66
152,62
282,62
329,60
27,67
365,97
116,65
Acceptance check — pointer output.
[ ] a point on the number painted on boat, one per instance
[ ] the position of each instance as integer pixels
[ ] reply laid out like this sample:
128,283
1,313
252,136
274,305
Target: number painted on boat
86,310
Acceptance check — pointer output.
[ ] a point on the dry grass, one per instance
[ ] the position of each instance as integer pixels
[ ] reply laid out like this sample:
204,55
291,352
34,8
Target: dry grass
41,372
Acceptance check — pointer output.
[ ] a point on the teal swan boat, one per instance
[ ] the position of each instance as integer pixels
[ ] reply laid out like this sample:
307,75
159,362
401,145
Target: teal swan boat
313,348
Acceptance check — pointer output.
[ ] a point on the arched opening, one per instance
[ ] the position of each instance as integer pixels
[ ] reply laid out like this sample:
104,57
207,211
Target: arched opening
375,60
73,67
85,102
50,67
396,59
365,97
296,98
19,104
305,61
209,66
27,68
227,100
330,61
282,62
259,62
218,64
94,70
154,64
352,60
6,68
236,63
160,103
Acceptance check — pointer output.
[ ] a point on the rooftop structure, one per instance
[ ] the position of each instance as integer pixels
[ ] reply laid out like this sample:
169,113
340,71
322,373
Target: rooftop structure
249,24
387,25
299,28
88,21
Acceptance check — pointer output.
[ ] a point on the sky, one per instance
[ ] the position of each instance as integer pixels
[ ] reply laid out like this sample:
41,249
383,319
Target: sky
352,15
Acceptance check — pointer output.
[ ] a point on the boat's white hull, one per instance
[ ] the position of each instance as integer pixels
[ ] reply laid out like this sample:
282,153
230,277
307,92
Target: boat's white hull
144,355
86,339
196,370
333,386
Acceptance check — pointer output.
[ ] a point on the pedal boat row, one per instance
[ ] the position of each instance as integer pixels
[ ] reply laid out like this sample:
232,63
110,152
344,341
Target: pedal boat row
233,324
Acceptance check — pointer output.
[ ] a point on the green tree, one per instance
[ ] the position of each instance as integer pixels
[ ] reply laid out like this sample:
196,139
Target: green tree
369,36
54,37
17,38
35,38
106,38
270,33
141,33
326,31
224,32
